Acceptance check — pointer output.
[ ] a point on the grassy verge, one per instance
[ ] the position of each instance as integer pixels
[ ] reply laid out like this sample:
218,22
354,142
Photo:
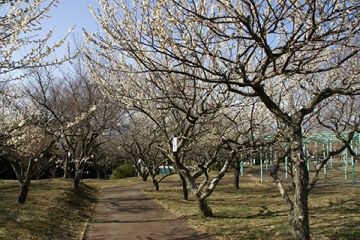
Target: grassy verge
53,210
256,211
95,183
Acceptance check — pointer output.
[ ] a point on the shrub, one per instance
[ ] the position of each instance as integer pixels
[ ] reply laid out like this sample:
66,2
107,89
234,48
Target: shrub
123,171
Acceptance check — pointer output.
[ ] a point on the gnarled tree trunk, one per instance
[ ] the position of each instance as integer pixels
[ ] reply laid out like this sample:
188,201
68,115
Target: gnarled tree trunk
184,187
204,207
77,178
237,174
66,168
25,183
299,217
24,190
156,184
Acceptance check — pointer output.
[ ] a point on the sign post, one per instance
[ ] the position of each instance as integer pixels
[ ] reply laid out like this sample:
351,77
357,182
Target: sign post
174,144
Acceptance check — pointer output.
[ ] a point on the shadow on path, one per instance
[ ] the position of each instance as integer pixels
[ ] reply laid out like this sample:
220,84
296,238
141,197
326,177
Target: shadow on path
124,212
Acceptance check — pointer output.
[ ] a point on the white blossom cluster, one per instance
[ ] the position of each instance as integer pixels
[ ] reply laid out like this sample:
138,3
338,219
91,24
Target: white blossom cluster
20,44
278,45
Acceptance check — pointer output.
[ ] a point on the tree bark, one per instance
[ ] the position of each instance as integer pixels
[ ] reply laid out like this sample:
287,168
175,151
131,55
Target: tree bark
77,178
144,177
237,175
204,208
66,168
156,184
24,190
25,183
299,217
184,187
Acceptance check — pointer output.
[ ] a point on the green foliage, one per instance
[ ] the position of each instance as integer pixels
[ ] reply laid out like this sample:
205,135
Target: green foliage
123,171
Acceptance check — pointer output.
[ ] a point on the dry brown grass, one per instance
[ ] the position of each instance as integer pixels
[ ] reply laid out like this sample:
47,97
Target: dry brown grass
256,211
53,210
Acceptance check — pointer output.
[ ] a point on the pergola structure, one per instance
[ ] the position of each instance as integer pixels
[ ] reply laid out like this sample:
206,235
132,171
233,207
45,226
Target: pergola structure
323,145
316,146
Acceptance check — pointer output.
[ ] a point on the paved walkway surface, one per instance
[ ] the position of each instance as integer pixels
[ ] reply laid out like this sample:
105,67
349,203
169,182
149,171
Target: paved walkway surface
127,213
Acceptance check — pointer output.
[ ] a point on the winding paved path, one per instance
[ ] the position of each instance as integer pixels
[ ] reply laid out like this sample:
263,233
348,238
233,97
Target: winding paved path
125,213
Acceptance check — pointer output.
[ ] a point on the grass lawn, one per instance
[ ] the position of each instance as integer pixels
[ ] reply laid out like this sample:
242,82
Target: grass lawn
52,211
256,211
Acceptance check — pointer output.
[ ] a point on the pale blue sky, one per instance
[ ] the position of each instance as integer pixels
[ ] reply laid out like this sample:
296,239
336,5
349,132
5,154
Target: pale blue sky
68,14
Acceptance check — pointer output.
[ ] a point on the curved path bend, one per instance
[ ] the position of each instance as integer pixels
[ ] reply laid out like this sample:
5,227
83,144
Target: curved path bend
125,213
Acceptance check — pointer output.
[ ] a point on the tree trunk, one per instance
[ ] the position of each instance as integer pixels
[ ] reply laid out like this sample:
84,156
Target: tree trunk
144,175
204,208
77,178
237,175
24,190
156,184
299,217
98,173
66,168
184,187
236,178
25,183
